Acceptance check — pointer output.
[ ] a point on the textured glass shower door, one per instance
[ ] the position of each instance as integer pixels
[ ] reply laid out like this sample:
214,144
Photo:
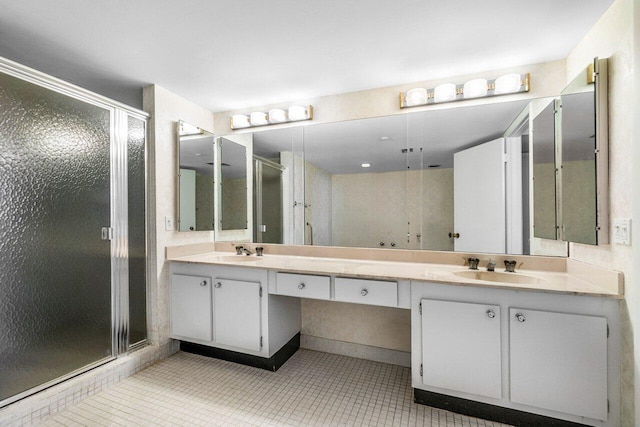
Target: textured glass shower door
55,269
267,204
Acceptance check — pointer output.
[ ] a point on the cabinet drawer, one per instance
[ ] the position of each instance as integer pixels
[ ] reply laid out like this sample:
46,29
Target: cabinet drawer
303,285
362,291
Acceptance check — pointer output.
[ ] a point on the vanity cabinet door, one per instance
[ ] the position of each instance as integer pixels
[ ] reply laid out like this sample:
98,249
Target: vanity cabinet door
237,313
461,347
190,307
559,362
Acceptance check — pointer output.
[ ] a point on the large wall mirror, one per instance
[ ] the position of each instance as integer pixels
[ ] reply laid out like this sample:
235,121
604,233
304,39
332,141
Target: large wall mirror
447,179
195,178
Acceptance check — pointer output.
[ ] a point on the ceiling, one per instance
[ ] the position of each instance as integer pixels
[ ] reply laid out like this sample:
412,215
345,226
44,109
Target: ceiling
434,136
227,54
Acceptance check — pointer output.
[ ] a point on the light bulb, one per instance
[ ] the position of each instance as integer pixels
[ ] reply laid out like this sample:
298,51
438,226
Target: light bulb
258,118
239,121
297,112
509,83
417,96
475,88
444,92
277,115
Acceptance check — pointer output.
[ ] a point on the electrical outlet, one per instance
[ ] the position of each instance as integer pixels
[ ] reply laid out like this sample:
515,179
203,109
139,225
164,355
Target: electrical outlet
622,231
168,223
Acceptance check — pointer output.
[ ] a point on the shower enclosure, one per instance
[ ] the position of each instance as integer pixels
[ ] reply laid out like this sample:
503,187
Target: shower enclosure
267,201
72,230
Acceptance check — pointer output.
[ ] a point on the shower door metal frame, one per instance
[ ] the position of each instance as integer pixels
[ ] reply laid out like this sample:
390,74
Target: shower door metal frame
118,140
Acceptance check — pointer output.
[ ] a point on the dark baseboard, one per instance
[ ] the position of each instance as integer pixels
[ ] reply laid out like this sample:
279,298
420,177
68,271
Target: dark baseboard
272,363
487,411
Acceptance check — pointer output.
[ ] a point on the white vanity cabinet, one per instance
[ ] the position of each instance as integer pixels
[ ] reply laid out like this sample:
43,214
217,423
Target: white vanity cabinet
461,347
236,313
550,354
190,307
229,308
559,361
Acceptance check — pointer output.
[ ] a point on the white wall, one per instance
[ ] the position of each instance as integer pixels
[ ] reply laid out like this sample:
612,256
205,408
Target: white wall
166,109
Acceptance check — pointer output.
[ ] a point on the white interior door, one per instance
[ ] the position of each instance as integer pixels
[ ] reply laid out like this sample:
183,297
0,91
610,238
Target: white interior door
187,200
479,198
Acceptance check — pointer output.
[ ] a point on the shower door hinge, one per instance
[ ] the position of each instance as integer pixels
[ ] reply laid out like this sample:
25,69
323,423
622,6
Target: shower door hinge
260,342
421,369
107,233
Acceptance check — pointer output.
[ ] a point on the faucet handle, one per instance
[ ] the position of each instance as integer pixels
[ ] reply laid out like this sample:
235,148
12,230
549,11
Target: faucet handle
239,250
510,265
473,263
491,266
259,250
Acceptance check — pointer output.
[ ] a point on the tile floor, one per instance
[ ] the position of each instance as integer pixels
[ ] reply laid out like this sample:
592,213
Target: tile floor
311,389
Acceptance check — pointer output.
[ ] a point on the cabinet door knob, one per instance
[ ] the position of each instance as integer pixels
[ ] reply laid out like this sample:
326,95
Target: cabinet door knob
218,285
301,286
364,292
491,314
520,317
203,283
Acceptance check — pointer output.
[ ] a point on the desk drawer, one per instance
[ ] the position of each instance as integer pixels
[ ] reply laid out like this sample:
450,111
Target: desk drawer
363,291
303,285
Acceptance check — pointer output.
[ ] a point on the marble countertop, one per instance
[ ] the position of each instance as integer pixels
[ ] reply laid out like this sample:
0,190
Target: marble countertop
580,280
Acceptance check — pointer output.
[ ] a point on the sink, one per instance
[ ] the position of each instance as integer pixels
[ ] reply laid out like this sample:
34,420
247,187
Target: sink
239,258
494,276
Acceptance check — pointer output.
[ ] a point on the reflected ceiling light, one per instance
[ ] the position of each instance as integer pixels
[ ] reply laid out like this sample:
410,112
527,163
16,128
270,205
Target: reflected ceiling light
186,129
274,116
366,165
445,92
277,115
475,88
258,118
239,121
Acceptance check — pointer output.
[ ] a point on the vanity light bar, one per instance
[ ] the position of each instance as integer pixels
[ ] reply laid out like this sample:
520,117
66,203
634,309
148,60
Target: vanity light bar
275,116
476,88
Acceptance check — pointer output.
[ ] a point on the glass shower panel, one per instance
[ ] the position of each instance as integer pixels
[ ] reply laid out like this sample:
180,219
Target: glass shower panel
268,203
55,277
137,248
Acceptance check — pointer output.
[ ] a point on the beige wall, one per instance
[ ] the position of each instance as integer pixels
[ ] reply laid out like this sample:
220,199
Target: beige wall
166,109
612,37
234,203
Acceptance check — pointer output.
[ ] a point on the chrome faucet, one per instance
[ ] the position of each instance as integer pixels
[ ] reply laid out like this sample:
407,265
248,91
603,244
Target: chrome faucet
491,266
239,250
510,265
473,263
247,251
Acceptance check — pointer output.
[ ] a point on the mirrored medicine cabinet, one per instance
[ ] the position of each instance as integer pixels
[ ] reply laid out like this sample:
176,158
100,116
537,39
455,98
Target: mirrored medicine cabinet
450,179
570,150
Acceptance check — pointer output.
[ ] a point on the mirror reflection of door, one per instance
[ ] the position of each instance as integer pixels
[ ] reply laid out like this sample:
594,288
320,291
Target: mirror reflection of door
195,178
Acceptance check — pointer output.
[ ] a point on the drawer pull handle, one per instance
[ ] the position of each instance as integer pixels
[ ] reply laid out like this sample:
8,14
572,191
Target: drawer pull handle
491,314
364,292
520,317
218,285
203,283
301,286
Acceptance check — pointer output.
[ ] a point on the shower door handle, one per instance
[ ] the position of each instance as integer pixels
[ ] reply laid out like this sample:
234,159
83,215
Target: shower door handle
107,233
